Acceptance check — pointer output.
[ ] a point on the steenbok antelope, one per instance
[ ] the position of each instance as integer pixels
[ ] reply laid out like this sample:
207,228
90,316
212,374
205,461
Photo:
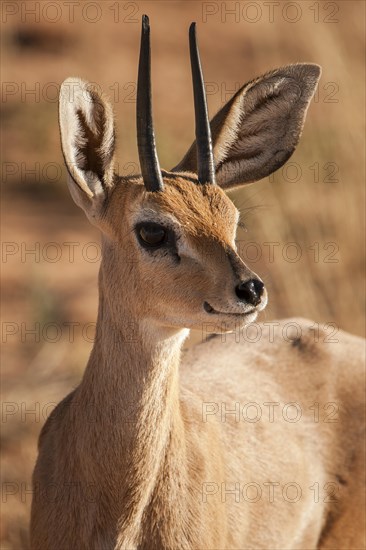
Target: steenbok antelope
138,456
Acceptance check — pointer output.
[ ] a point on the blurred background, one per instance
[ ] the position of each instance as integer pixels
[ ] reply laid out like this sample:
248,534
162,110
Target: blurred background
304,225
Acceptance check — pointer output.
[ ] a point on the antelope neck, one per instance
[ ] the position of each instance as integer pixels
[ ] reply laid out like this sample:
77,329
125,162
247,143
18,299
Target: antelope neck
131,384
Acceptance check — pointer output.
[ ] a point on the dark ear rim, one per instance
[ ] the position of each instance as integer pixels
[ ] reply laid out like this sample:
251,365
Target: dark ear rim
87,136
306,74
77,101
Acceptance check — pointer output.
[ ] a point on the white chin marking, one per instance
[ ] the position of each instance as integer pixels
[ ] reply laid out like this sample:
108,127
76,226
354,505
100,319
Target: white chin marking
251,317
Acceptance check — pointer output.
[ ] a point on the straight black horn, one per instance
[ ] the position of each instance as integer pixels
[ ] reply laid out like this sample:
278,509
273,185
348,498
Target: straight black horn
205,160
149,162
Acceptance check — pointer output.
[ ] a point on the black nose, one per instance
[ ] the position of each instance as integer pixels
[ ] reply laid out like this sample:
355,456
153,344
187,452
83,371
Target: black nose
250,291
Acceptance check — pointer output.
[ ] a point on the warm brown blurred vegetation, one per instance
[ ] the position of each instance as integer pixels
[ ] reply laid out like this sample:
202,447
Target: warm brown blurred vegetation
317,202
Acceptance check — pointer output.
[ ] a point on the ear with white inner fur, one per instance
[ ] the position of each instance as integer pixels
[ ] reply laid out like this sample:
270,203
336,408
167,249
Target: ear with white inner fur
256,132
87,138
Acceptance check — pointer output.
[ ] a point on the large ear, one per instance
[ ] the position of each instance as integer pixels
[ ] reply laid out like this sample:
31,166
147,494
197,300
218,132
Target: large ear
258,129
87,138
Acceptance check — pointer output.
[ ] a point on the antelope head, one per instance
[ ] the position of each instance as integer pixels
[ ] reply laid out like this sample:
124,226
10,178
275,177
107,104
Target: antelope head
168,246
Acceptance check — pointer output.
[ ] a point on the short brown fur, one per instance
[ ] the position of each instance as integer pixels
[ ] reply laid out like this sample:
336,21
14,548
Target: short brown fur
130,454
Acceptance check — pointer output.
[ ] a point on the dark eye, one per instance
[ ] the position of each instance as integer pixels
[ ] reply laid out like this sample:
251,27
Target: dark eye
151,234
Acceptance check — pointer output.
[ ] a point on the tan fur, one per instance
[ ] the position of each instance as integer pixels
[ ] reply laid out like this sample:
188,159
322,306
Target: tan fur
127,459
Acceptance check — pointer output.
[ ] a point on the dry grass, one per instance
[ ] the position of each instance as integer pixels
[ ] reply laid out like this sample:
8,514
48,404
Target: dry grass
322,217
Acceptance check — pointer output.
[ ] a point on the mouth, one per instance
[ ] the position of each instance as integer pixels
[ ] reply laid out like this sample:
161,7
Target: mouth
209,309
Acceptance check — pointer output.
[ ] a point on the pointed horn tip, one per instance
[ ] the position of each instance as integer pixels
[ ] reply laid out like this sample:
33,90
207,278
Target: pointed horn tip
145,22
192,28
